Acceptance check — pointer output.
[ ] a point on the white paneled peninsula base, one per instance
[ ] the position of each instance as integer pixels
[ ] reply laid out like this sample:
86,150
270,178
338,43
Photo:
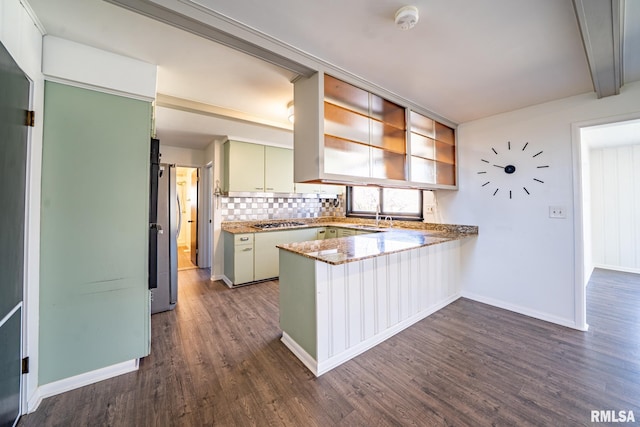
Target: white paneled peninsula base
341,297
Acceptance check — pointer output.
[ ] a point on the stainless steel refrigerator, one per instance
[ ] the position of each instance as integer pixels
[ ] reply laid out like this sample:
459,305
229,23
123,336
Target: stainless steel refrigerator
165,295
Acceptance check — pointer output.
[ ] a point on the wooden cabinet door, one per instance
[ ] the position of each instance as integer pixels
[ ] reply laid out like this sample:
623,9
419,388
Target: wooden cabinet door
278,172
245,166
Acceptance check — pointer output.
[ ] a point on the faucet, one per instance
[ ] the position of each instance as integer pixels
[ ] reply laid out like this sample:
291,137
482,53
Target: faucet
377,215
389,221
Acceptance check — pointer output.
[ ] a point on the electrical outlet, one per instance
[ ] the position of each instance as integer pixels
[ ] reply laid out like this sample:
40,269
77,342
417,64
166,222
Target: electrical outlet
557,212
428,209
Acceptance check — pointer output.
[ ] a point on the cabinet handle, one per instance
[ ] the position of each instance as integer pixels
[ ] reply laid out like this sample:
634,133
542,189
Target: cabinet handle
269,188
259,188
244,239
321,232
247,249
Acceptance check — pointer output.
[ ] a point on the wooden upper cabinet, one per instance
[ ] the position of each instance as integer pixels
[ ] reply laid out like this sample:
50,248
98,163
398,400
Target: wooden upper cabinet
365,135
433,151
345,134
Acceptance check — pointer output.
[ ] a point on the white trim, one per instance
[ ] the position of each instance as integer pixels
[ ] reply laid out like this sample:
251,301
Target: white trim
97,88
216,277
11,313
73,61
580,305
524,311
321,367
226,280
81,380
580,296
332,362
618,268
33,17
300,353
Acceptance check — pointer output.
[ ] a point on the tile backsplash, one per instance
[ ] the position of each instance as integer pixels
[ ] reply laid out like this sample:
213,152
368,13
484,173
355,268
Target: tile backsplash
261,208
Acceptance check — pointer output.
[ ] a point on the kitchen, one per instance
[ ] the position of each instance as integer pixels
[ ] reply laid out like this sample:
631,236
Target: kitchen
498,254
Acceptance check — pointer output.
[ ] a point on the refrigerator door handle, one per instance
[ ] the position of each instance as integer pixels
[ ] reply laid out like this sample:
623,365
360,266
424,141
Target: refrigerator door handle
179,216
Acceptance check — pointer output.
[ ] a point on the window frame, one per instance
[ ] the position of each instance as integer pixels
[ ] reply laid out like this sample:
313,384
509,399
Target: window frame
349,212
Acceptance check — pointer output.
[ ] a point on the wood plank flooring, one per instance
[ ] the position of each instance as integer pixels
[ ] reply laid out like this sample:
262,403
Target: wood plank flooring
184,258
218,360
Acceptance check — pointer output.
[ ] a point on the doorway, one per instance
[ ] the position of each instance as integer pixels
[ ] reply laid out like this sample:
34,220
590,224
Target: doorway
187,197
607,200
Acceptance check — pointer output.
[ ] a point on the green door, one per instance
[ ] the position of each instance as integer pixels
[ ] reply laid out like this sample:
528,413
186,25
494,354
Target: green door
14,102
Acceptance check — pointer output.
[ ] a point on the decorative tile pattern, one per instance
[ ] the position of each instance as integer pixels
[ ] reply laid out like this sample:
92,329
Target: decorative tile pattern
263,208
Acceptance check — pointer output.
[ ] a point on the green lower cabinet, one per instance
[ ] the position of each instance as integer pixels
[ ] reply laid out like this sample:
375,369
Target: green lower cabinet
250,257
345,232
238,257
266,259
244,271
321,233
267,262
331,233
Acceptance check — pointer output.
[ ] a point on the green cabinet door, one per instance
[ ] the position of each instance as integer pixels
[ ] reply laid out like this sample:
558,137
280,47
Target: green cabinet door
244,166
243,264
94,294
278,172
266,259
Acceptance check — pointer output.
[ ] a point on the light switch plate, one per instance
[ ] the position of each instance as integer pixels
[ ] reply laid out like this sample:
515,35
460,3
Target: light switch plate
558,212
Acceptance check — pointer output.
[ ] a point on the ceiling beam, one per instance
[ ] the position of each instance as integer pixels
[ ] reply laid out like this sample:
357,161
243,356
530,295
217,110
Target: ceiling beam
168,101
600,23
162,14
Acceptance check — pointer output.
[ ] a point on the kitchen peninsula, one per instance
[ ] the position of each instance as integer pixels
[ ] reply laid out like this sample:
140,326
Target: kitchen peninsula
341,297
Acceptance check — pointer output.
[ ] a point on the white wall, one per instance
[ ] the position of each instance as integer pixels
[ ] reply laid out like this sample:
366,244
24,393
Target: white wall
523,260
615,207
21,36
180,156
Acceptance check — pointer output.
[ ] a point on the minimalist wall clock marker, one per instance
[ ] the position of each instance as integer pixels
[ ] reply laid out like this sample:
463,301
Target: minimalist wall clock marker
510,168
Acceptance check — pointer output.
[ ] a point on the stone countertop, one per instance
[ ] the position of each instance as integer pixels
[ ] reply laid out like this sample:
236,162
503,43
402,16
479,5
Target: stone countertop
404,235
356,248
240,227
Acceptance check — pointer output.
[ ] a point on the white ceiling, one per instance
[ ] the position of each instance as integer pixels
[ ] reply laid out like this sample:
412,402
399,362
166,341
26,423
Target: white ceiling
464,60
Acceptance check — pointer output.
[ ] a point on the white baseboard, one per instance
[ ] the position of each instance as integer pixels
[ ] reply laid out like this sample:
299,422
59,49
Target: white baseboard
523,310
217,277
226,281
300,353
617,268
78,381
320,367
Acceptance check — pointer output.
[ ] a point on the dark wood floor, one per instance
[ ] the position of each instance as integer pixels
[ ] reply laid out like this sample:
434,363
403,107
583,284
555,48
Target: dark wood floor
218,360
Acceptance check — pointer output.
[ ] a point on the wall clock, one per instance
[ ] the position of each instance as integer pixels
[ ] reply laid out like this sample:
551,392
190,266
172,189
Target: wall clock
512,170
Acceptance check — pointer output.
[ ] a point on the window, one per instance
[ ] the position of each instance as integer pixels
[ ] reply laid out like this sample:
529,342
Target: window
393,202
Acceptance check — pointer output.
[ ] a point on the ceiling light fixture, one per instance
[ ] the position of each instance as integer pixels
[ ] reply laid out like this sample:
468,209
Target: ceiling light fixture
290,111
407,17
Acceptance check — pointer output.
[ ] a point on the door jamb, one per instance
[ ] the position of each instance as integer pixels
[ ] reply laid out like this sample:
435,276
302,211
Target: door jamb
580,184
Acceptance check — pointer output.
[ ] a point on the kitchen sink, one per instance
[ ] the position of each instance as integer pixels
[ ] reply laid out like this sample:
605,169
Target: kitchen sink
370,227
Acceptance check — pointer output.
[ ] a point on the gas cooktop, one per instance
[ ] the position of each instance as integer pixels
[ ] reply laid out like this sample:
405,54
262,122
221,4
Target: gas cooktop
265,225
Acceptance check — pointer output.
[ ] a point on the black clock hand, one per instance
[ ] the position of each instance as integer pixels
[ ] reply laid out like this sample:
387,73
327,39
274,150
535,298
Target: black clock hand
498,166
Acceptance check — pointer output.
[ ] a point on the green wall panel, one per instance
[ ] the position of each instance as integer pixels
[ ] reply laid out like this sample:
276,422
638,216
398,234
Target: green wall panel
94,301
298,300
